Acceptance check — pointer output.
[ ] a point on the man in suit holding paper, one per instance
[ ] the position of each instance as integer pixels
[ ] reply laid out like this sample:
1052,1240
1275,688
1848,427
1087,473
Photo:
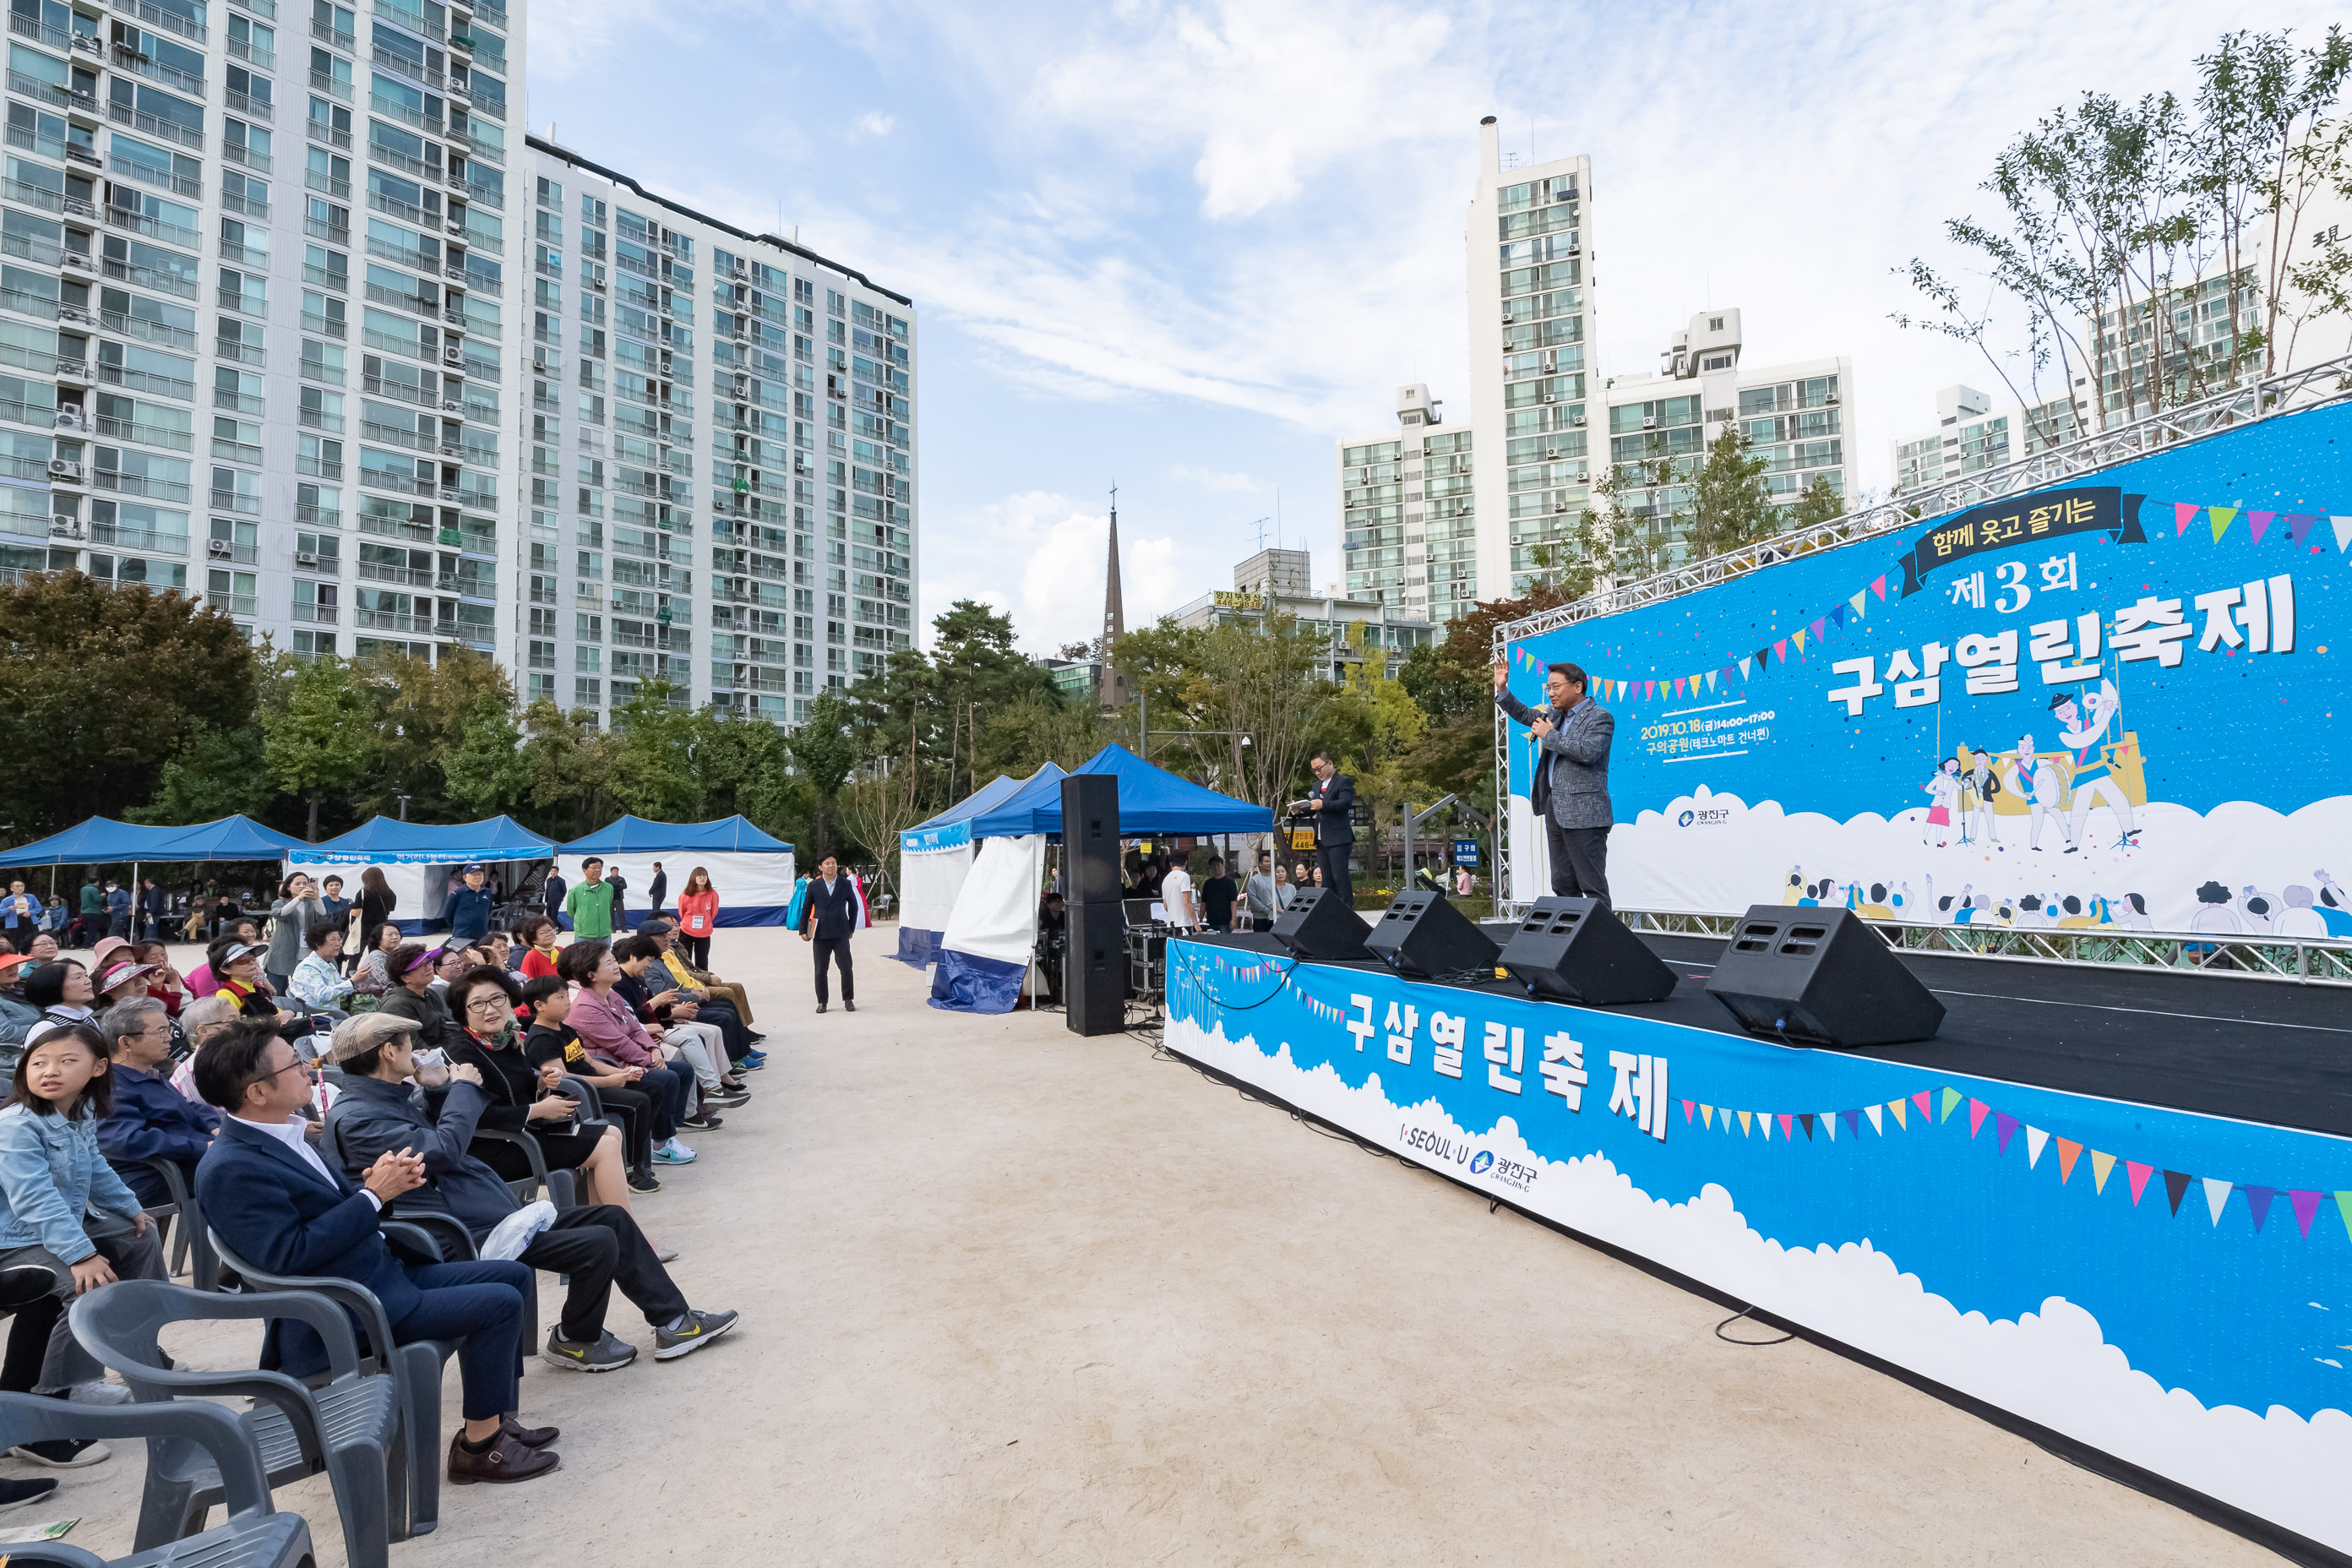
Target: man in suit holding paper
1332,801
1571,789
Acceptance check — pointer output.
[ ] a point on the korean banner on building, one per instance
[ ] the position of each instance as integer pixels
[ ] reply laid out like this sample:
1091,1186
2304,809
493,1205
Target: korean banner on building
2120,703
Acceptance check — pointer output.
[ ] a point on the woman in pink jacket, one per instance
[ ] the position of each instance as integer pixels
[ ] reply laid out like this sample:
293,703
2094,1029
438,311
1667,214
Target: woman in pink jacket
608,1028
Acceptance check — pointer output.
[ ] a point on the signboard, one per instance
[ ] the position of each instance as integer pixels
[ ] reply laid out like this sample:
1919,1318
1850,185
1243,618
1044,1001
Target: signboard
2121,704
2160,1285
1466,852
1231,599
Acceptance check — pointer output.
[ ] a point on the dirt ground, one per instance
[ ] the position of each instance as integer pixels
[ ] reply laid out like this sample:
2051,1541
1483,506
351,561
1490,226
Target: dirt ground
1011,1296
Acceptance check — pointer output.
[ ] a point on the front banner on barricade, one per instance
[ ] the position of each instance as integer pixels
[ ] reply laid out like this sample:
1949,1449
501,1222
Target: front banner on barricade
2165,1287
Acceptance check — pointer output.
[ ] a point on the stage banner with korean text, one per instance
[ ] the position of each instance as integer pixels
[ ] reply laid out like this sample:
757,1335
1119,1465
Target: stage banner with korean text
2165,1287
2121,701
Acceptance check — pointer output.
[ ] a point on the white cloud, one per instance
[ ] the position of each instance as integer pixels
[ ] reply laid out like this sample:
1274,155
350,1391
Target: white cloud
1210,479
876,124
1042,557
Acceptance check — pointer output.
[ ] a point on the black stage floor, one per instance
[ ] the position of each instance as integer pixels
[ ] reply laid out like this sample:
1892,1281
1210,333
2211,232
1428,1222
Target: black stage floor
2260,1050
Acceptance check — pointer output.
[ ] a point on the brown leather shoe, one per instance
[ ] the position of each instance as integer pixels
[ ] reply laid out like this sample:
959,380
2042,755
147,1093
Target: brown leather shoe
504,1460
529,1437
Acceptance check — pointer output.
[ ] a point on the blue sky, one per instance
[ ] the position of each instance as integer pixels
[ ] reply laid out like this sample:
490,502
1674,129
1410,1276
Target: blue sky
1184,247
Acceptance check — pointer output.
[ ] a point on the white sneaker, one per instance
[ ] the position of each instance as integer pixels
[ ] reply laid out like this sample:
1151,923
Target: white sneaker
98,1392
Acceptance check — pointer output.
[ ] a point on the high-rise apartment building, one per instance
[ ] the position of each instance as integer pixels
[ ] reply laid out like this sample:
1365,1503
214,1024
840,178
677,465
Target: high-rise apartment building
1529,251
1798,417
343,375
738,521
1971,435
1408,523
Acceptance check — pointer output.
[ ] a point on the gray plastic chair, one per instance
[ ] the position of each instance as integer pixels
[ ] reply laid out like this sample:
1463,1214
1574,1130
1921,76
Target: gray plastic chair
188,1230
350,1427
255,1534
418,1365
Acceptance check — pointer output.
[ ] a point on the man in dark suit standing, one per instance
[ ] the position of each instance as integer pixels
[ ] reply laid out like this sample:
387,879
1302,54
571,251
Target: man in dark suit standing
1333,802
283,1209
657,890
1570,790
835,910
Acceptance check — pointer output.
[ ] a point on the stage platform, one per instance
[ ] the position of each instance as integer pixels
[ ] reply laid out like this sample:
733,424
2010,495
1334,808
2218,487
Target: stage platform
2111,1207
2258,1050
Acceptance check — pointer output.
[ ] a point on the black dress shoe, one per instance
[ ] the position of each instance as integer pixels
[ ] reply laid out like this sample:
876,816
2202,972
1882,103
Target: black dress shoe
820,1006
529,1437
849,1007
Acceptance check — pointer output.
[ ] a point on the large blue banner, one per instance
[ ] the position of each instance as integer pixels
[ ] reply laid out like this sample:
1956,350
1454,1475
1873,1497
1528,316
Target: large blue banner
2118,702
2166,1286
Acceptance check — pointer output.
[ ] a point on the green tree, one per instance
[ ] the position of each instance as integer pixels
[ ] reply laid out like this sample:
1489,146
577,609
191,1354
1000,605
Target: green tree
824,751
318,734
1819,503
217,772
652,767
100,688
1731,503
488,774
566,766
422,711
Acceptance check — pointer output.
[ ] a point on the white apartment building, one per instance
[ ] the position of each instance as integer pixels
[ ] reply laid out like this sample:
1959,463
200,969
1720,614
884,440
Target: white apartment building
1529,245
1798,417
747,534
1971,435
332,372
1408,520
1359,630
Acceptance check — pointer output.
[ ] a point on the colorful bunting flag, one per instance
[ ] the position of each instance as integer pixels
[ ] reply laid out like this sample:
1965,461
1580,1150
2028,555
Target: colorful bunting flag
2260,522
2305,1205
2102,1167
2139,1174
1857,602
2342,526
2176,1188
2035,1141
2217,1195
2068,1153
1876,1125
2258,1199
1879,588
2222,517
2183,514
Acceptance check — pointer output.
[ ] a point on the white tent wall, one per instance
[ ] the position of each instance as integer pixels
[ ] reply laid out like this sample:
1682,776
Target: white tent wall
928,883
985,951
422,892
753,887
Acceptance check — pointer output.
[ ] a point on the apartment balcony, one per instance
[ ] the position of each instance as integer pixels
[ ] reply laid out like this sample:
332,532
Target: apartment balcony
252,107
228,549
140,485
148,540
399,577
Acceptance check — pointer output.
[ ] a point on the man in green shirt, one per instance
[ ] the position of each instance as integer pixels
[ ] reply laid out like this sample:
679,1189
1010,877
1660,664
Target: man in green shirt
590,903
92,924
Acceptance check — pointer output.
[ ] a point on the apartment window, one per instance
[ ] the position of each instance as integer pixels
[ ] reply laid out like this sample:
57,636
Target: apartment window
588,659
587,692
551,194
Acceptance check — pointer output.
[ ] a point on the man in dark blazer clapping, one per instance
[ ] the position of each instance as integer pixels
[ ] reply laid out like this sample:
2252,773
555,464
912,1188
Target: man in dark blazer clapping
282,1208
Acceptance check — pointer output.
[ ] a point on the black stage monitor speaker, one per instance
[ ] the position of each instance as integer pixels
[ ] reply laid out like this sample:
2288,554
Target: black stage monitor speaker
1090,837
1093,972
1423,935
1821,977
1576,949
1321,927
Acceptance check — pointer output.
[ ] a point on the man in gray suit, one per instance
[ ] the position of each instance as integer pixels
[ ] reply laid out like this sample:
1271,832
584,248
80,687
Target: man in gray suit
1571,778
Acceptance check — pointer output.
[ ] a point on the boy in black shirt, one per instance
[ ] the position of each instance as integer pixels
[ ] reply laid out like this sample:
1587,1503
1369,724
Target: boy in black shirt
555,1049
1217,897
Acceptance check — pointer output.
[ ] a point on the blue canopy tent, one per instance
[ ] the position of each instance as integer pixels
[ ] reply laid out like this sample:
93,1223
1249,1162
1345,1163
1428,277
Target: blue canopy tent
750,869
418,859
984,953
103,841
1152,803
934,859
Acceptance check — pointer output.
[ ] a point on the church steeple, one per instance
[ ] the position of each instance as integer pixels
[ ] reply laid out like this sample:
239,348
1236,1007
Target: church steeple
1114,685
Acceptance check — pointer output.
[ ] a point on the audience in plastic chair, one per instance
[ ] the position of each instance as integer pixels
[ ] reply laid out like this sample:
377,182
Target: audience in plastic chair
598,1246
278,1206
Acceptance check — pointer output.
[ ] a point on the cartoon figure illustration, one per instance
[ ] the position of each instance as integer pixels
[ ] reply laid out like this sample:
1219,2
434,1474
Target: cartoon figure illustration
2084,722
2298,918
2130,910
1943,791
1905,906
1792,888
2331,909
1978,785
2074,914
2256,908
2041,783
2215,913
1877,907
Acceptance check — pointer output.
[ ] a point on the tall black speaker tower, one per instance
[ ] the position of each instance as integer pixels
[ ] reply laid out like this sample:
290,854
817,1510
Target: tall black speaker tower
1090,837
1821,977
1094,969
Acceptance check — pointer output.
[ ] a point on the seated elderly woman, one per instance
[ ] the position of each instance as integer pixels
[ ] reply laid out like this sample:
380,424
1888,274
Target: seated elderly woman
318,983
203,1021
483,1000
415,997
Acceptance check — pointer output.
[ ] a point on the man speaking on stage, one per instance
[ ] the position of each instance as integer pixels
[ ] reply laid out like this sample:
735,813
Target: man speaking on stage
1332,801
1570,790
